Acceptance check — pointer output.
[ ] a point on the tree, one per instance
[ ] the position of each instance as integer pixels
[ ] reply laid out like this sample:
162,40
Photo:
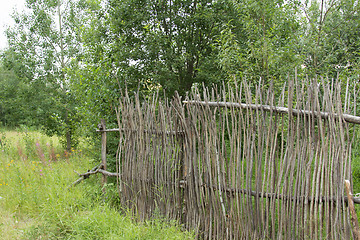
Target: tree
330,40
161,44
146,45
24,103
42,45
260,41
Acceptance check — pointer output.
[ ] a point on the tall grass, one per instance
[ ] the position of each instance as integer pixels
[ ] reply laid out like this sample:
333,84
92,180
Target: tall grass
37,203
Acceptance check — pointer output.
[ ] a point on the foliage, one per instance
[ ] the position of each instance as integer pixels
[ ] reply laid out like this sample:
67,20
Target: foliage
69,61
166,42
260,41
42,45
19,105
163,46
329,42
36,202
79,56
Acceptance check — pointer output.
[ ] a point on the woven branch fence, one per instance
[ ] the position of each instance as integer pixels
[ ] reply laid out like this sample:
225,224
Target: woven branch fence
242,162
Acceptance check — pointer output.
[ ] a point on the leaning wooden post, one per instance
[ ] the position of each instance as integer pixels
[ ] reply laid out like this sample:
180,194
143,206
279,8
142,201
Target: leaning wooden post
103,150
353,216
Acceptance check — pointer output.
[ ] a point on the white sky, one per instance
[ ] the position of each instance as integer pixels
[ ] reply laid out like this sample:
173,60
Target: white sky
6,9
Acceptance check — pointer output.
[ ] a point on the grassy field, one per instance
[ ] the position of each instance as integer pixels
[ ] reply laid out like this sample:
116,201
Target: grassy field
37,203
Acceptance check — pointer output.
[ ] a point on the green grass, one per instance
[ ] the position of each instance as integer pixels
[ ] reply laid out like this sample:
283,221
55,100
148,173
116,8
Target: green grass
37,203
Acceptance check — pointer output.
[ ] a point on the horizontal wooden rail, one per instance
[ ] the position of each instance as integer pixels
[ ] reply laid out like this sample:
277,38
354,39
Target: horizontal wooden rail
146,131
325,115
108,130
232,191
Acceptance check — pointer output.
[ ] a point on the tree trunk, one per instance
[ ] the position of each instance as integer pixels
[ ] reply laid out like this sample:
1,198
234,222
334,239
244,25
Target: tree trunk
68,131
62,62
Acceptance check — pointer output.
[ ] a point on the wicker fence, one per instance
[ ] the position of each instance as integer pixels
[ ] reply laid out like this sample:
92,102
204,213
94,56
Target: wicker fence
242,163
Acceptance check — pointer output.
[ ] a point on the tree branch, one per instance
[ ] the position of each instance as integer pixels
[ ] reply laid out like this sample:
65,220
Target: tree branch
95,170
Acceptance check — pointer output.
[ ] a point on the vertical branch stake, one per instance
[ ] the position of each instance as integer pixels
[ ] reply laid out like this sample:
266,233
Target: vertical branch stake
354,219
103,150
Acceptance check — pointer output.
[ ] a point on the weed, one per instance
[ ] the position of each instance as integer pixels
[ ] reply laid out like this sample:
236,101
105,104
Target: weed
36,202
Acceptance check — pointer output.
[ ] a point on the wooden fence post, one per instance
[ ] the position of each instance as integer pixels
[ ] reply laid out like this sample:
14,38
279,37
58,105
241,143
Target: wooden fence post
103,149
353,216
